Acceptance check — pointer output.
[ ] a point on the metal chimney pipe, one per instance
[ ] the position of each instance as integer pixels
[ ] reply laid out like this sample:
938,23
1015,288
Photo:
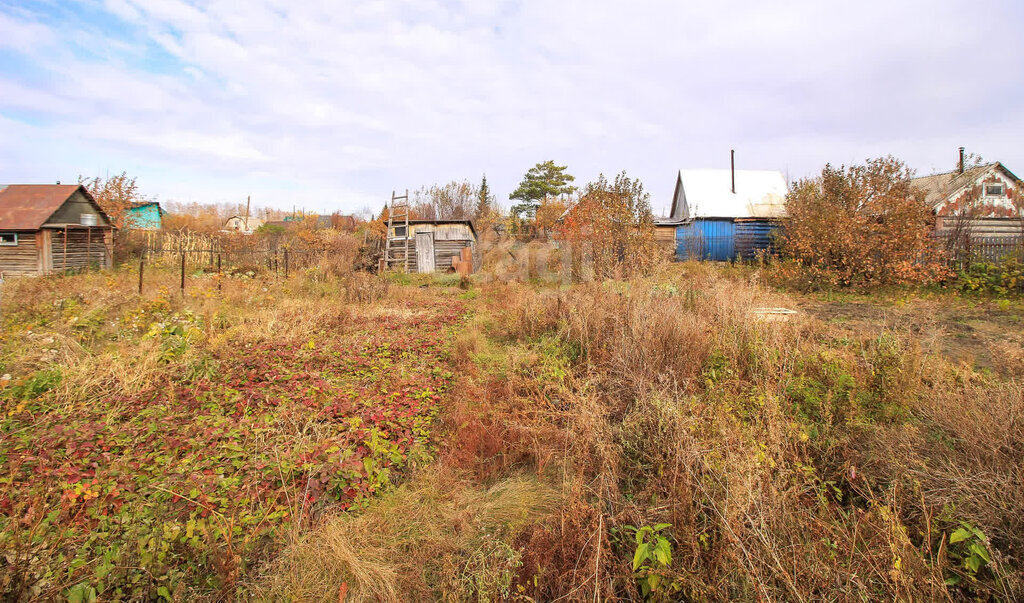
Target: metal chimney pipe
732,168
961,160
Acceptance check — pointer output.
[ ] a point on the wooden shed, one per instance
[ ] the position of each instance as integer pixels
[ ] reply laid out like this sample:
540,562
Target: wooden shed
432,243
48,228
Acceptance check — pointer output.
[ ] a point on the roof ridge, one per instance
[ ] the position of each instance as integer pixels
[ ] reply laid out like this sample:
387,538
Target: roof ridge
957,170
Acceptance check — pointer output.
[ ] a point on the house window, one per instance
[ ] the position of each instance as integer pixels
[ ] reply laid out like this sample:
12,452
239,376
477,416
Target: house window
994,190
400,231
9,239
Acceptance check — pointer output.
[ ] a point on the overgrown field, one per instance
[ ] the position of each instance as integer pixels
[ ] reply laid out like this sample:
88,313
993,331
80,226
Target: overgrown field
400,439
678,447
164,447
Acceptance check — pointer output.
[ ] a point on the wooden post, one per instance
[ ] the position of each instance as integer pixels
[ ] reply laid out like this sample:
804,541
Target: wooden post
286,263
88,247
142,266
182,273
64,260
220,277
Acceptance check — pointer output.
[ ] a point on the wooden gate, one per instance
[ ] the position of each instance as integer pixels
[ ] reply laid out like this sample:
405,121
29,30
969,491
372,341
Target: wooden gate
425,252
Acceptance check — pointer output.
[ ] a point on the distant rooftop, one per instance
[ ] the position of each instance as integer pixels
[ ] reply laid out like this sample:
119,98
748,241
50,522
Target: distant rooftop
708,193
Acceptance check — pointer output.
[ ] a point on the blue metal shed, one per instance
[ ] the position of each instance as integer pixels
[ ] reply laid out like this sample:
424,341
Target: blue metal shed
724,240
706,240
756,236
725,215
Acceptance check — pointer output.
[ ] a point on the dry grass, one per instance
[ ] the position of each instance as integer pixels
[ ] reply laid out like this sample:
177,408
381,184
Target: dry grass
792,464
426,537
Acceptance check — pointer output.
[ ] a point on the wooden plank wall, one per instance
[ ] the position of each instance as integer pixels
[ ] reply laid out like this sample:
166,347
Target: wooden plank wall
398,252
84,249
444,251
985,227
449,239
20,259
665,239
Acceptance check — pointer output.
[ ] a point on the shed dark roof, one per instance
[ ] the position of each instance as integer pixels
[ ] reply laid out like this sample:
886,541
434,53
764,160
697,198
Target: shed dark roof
29,206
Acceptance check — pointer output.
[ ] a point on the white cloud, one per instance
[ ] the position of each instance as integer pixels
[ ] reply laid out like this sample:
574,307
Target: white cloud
369,96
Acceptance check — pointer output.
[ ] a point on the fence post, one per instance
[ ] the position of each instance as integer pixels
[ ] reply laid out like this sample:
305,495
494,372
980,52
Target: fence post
286,263
183,273
220,277
142,266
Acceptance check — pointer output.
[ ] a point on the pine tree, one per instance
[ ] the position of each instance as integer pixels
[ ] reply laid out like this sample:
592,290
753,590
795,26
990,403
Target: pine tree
542,180
484,199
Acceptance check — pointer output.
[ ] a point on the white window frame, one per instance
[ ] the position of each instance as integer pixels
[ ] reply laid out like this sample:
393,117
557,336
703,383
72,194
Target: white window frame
11,244
1001,193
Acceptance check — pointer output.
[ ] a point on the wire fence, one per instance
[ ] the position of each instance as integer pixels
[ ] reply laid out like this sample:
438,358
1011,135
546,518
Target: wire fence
280,262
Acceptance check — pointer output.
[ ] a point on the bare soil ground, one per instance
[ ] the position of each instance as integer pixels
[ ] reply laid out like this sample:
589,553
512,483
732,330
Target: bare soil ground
986,335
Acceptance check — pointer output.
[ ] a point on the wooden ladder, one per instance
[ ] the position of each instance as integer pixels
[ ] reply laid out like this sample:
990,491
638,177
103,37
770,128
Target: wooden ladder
398,212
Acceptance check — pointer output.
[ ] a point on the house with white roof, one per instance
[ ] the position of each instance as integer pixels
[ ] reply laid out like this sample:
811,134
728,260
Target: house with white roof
725,214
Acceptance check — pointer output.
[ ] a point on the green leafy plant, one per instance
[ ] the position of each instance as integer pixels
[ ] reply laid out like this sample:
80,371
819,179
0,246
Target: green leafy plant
970,545
1004,277
653,555
36,385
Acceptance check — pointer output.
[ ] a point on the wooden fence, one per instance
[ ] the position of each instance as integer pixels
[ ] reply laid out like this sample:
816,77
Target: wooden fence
966,249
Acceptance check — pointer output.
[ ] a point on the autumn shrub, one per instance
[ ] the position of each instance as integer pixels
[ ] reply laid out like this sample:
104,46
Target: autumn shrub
860,226
609,231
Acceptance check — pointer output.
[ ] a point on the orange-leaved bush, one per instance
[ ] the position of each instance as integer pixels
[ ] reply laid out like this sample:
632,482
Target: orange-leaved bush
862,225
611,229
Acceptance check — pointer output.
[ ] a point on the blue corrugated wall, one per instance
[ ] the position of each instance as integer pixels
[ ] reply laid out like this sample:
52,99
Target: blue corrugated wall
706,240
724,240
756,236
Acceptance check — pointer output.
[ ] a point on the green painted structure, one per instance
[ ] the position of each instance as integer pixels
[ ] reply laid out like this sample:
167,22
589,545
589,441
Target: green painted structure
144,216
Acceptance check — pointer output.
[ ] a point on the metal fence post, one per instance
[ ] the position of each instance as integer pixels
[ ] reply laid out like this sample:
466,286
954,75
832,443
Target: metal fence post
183,273
220,277
286,263
142,267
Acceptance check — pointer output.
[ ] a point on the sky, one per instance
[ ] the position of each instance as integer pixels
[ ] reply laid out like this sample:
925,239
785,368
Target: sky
330,106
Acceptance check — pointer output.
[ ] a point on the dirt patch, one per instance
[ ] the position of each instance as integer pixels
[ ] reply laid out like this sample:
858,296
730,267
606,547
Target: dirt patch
981,335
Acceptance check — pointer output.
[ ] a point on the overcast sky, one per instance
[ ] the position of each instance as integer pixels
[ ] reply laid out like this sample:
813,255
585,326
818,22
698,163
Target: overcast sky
331,105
